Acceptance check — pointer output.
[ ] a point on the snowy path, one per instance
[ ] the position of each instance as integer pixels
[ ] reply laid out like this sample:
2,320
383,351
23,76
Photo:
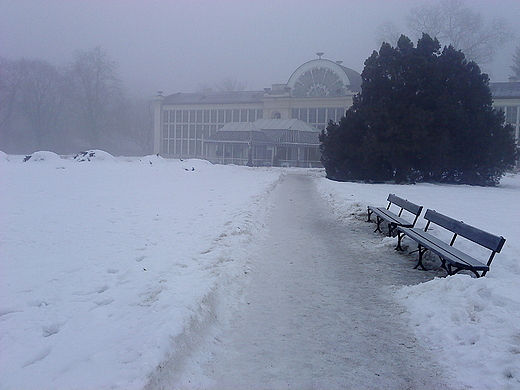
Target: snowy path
319,314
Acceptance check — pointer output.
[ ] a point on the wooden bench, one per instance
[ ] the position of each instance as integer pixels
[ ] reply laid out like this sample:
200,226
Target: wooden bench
452,259
394,220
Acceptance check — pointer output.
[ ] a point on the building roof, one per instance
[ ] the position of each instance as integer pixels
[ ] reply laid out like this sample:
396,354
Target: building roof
238,136
293,131
211,97
505,90
284,124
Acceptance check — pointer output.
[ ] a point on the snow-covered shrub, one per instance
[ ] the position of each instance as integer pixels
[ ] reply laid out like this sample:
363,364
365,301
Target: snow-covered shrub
94,155
194,164
43,156
152,159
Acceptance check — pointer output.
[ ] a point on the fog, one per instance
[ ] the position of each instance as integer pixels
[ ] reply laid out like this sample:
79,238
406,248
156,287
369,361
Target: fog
175,46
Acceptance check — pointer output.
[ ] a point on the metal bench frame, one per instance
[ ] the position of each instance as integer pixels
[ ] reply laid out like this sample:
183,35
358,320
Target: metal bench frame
452,259
394,220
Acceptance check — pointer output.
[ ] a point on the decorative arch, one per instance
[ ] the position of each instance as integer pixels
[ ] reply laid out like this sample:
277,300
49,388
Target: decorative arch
323,78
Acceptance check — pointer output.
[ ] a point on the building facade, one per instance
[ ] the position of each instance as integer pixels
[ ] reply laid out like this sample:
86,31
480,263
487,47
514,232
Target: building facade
506,97
185,124
265,142
320,90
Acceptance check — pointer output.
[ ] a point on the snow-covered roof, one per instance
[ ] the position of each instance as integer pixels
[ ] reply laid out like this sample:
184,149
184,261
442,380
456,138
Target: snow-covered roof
211,97
506,90
284,124
293,131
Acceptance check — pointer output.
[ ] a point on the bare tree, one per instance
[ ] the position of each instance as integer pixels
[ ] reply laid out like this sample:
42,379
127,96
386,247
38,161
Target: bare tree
230,84
452,23
40,99
135,125
96,90
10,80
516,64
388,32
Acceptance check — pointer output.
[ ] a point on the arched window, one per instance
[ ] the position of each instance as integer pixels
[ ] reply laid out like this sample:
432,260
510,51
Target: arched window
276,115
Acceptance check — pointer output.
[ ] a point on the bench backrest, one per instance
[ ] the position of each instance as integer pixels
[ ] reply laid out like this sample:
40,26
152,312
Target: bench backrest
404,204
487,240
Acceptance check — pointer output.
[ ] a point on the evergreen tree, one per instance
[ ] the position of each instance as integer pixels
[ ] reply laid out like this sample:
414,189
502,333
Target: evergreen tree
422,115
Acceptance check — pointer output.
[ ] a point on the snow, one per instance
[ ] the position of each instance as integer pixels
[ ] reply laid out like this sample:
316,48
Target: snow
112,266
105,263
472,325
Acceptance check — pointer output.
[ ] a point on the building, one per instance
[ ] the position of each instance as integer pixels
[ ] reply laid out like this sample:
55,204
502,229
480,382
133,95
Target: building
506,97
277,126
186,124
265,142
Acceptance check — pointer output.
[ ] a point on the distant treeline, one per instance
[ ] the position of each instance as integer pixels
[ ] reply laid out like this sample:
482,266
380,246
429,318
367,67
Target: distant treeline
65,109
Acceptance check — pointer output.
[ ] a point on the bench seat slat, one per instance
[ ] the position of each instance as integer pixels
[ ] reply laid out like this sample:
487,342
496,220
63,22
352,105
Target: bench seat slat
390,216
444,250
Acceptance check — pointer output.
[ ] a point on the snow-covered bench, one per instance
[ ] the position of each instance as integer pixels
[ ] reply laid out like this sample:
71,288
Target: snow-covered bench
453,260
395,220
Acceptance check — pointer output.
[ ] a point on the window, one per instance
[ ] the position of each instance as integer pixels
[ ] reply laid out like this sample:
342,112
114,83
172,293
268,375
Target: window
276,115
511,114
312,115
321,115
252,116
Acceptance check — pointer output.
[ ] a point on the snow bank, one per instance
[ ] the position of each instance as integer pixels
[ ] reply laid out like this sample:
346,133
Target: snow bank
471,325
106,268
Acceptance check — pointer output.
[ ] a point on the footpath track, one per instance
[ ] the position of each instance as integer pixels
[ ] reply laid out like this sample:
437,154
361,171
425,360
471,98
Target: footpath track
319,310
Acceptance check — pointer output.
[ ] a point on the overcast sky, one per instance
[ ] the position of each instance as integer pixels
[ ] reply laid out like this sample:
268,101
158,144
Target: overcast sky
176,45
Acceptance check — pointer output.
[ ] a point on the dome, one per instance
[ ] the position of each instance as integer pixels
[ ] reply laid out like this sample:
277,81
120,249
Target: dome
323,78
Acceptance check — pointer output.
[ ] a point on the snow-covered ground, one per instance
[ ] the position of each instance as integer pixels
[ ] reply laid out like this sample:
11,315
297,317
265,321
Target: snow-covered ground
108,265
473,325
105,264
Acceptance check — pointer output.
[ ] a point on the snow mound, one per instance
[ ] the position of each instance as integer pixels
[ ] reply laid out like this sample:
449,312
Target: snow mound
94,155
43,156
152,159
193,165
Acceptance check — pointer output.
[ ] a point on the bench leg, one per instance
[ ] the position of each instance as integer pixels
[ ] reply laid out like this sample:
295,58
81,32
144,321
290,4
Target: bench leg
369,213
421,251
400,237
391,229
453,270
379,220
